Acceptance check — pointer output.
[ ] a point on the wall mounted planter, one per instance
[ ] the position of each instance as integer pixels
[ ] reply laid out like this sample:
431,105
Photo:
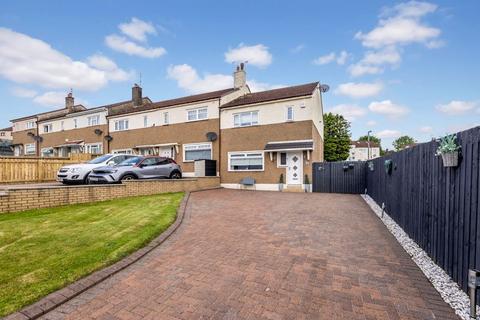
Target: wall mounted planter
450,159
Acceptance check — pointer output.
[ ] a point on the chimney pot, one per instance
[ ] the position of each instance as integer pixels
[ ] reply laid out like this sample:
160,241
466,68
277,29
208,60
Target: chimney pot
137,98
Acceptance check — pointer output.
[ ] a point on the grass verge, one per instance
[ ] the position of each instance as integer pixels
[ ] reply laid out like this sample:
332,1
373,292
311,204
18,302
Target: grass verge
46,249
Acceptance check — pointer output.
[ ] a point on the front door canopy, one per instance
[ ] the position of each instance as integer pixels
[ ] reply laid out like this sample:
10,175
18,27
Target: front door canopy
297,145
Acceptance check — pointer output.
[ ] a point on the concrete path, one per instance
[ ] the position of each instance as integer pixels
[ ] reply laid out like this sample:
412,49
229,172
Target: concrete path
268,255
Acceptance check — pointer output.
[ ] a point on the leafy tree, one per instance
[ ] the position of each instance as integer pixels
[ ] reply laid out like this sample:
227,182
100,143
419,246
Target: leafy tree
337,137
403,142
373,139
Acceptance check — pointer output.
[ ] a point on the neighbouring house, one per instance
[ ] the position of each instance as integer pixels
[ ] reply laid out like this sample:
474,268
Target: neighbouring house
363,150
250,135
6,134
6,148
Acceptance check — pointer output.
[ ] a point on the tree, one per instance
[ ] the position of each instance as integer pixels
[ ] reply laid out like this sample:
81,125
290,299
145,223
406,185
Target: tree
403,142
337,137
373,139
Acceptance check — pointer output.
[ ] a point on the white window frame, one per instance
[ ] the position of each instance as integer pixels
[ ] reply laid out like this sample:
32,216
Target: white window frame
196,112
117,125
287,114
123,151
279,164
88,147
30,124
47,128
250,124
43,151
197,144
93,120
245,153
145,121
62,125
75,123
166,118
30,145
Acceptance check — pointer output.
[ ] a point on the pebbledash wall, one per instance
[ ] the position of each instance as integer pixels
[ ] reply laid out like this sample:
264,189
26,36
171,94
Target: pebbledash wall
25,198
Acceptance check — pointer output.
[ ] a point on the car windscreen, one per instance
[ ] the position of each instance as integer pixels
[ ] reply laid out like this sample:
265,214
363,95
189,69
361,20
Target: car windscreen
131,161
100,159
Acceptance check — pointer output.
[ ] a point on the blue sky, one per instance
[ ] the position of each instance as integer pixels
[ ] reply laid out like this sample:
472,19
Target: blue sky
392,67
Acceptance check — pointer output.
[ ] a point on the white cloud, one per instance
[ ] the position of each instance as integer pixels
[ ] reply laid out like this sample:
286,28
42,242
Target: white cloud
359,69
350,111
426,129
188,79
257,55
50,98
398,26
371,123
24,59
256,86
457,107
359,90
340,59
23,92
298,48
122,44
388,108
137,29
112,71
388,134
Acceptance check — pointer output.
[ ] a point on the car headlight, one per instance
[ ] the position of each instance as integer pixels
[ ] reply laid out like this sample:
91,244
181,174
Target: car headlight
74,169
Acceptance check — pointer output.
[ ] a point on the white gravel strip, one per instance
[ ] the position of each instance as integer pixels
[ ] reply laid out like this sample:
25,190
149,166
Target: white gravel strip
448,289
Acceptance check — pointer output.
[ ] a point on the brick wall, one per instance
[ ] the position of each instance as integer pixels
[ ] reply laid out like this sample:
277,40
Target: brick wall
25,198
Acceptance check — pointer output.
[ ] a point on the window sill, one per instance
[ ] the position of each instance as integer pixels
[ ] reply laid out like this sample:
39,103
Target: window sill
198,120
229,170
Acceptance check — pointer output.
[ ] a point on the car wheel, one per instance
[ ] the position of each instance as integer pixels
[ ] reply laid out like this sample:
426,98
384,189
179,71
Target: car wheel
128,177
175,175
86,180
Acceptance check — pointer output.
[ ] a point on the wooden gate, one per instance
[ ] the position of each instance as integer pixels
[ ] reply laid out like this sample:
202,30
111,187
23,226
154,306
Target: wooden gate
340,177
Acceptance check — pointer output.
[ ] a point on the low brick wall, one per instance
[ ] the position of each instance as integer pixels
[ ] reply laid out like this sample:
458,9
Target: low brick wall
24,198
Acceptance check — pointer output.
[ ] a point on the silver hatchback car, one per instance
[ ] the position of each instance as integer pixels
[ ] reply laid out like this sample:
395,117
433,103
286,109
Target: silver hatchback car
140,167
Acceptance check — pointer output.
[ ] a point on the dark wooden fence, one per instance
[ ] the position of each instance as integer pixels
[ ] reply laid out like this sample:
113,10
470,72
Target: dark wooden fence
437,207
339,177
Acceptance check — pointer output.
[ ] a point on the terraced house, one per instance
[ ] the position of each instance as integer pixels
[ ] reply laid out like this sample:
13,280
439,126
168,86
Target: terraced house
264,136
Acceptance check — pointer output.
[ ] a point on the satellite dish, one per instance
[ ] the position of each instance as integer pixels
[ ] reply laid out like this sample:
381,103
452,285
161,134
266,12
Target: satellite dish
30,134
98,132
108,138
38,138
324,87
211,136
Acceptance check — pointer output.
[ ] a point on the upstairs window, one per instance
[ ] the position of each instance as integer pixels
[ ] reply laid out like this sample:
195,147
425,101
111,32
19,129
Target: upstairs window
245,119
145,121
47,128
289,113
62,125
197,114
30,124
166,118
94,120
121,125
75,123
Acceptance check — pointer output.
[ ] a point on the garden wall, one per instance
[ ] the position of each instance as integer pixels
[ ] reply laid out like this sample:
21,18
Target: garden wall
437,207
25,198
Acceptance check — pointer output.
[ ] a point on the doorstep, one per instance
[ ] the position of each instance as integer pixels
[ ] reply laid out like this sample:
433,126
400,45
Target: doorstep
293,188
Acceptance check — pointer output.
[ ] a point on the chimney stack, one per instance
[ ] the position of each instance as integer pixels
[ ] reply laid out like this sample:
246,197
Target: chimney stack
137,95
240,76
69,102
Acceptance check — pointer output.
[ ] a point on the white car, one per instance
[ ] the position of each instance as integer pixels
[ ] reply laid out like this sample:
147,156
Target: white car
78,173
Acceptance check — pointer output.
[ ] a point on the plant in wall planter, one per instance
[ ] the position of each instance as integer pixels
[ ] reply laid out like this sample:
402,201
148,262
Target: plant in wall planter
308,186
280,182
449,150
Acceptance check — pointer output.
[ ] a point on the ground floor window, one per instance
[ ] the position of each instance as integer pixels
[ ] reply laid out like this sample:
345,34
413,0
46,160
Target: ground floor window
30,148
197,151
245,161
47,152
123,151
281,159
93,148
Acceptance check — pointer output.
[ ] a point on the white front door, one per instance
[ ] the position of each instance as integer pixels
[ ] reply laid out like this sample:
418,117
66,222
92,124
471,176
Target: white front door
295,167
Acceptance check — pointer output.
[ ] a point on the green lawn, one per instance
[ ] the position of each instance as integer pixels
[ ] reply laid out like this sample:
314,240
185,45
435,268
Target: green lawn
44,250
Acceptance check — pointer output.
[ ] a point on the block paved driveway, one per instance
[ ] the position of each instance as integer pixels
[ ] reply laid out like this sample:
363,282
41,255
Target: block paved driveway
268,255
